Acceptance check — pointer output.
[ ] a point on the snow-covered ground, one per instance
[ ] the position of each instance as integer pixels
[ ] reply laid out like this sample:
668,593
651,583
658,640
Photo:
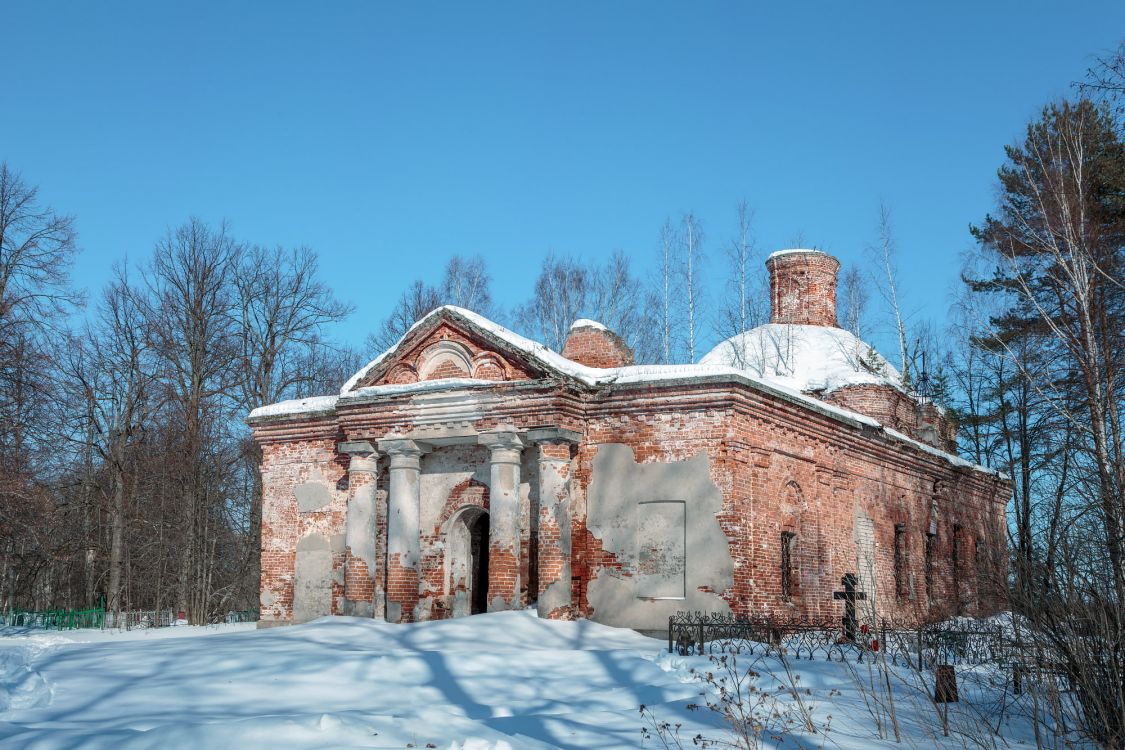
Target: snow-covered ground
505,680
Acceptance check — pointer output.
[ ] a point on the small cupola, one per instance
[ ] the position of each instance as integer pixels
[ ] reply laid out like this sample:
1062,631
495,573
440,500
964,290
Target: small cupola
592,344
803,287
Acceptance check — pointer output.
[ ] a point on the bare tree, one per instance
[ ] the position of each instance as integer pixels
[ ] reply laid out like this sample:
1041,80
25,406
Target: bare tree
283,308
667,271
745,301
37,248
884,259
619,299
191,310
691,260
855,294
467,284
560,297
415,303
1106,79
112,363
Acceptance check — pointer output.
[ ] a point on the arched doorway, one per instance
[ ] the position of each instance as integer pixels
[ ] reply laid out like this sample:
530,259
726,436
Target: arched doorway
478,564
466,559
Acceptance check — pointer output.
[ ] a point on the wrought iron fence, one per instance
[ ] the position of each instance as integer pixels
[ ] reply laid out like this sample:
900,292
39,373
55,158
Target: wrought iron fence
915,645
141,618
243,615
152,618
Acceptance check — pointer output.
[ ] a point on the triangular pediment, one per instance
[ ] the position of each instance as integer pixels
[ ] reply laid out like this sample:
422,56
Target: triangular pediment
453,343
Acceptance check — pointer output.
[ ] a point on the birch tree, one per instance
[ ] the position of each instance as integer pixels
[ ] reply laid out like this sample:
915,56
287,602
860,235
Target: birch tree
466,283
620,300
744,306
560,297
884,255
853,289
690,271
665,274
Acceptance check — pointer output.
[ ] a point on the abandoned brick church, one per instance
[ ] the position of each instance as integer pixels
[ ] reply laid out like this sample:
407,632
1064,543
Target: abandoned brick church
468,469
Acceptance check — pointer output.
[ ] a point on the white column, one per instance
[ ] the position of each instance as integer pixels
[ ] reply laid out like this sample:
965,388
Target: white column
360,529
506,447
403,533
554,520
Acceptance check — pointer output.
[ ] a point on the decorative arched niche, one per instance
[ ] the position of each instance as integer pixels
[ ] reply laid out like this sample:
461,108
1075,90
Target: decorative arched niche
401,374
487,366
445,359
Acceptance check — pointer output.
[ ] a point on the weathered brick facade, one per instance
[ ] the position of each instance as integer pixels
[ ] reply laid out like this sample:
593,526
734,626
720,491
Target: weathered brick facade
471,469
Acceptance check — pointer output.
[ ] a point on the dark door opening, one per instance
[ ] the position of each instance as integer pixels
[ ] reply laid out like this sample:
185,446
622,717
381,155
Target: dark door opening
478,548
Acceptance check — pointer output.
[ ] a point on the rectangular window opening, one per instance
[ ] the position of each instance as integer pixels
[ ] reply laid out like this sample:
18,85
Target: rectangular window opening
902,564
788,573
956,563
981,569
931,540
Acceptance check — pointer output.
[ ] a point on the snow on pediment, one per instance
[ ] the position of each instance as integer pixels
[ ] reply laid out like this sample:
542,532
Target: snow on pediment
451,343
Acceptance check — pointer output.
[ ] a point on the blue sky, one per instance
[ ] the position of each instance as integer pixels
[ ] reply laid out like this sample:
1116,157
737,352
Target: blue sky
389,136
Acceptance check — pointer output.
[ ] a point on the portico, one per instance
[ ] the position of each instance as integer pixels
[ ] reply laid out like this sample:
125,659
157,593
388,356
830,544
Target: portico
400,584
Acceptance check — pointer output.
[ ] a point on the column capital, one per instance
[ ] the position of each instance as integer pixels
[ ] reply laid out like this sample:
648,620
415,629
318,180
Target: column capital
553,436
501,439
364,456
405,454
352,447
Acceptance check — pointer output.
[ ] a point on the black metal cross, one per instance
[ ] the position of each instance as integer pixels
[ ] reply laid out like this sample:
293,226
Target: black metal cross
850,596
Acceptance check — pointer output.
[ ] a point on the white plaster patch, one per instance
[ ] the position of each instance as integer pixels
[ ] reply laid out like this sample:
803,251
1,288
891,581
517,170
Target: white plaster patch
312,585
312,496
619,489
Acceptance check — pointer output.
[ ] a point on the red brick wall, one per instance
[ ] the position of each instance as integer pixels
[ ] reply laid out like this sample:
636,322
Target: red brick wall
779,466
781,470
894,409
596,347
285,464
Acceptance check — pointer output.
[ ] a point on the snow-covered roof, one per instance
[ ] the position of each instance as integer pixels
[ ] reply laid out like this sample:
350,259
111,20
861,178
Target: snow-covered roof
804,358
311,405
787,361
587,323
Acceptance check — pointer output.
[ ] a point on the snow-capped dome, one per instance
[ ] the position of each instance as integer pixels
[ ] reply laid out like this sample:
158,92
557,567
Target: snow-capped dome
805,358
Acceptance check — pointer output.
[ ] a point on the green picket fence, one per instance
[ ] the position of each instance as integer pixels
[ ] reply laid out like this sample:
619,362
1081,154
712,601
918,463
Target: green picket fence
54,619
70,619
